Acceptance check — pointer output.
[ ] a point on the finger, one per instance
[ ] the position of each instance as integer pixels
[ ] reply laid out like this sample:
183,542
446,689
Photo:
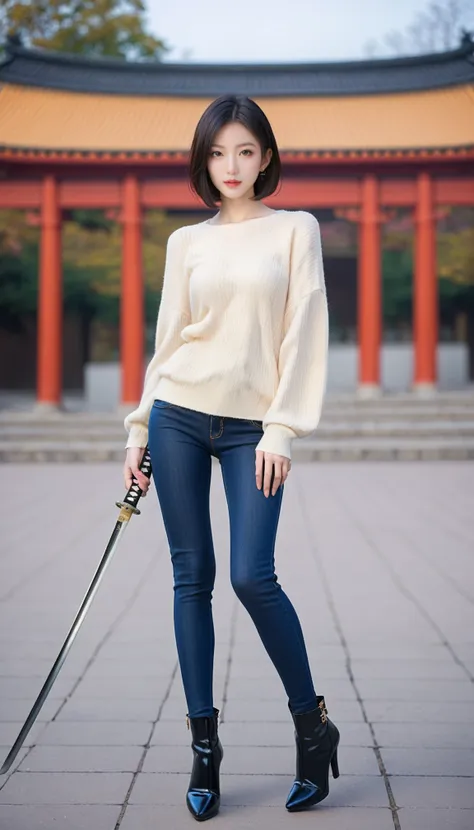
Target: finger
259,469
277,477
267,476
144,484
143,481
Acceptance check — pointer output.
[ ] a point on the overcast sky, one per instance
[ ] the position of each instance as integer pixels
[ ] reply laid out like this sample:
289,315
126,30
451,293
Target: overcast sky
277,30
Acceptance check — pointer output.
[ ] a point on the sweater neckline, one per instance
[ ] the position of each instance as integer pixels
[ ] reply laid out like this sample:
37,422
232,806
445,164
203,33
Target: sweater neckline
242,221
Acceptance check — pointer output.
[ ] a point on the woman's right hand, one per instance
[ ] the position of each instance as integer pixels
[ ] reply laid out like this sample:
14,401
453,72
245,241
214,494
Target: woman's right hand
132,462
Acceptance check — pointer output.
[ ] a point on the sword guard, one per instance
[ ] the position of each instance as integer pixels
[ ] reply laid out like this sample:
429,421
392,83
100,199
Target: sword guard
126,512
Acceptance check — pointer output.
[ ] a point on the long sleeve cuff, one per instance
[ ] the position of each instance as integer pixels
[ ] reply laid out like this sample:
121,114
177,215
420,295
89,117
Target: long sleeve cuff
277,439
138,436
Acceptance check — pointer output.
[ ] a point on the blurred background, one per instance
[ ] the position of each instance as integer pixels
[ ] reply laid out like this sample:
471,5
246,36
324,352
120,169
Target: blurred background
373,110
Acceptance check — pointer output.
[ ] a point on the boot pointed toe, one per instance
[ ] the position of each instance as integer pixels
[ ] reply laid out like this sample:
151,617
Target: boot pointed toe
202,804
302,795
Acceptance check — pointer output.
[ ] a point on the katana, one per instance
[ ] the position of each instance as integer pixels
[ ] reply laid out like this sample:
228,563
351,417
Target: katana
127,508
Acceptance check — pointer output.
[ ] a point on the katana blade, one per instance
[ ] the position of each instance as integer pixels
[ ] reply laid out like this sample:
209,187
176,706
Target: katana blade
127,508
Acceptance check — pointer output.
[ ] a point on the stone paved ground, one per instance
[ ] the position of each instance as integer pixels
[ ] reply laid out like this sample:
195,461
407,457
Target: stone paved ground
379,562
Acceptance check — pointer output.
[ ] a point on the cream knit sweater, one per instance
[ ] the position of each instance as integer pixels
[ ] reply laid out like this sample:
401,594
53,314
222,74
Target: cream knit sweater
242,328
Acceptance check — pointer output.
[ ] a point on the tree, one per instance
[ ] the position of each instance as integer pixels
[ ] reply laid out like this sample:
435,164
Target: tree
18,269
94,28
456,255
439,27
91,264
456,269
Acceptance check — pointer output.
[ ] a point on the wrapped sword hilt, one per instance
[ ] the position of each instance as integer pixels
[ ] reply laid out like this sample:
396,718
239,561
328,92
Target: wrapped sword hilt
129,504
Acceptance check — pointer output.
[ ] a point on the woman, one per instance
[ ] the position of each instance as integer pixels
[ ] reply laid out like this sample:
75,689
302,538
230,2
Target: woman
239,371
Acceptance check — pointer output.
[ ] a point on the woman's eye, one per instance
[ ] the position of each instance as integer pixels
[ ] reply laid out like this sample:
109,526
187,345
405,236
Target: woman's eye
217,151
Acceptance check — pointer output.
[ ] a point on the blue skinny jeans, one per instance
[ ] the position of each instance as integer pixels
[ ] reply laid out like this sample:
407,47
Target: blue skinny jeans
181,443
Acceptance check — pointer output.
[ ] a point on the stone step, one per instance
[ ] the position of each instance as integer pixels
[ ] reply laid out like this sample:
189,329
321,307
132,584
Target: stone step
343,413
373,449
24,406
393,426
41,433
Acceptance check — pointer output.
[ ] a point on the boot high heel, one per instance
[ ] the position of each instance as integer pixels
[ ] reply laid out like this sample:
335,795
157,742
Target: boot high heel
317,739
203,794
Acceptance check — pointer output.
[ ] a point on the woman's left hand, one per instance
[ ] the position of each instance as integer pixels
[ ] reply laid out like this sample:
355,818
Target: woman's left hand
282,466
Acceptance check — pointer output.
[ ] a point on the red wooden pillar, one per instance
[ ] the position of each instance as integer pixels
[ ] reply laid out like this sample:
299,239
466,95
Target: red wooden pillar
131,309
369,290
50,312
425,289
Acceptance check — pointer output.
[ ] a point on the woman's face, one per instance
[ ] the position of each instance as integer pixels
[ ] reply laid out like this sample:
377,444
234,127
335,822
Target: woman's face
235,154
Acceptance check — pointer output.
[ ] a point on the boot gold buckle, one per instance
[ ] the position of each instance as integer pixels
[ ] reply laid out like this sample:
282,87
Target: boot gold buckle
323,711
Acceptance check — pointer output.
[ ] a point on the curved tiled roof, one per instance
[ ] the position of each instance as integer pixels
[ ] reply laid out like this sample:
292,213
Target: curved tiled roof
54,70
47,119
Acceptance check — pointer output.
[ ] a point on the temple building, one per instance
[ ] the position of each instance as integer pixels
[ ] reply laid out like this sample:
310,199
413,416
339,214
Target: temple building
356,138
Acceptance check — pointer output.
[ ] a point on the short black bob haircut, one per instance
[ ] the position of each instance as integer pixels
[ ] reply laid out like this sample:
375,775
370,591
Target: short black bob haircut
221,111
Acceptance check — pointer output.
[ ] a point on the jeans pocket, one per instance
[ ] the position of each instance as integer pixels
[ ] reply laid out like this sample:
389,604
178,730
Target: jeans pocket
159,404
257,424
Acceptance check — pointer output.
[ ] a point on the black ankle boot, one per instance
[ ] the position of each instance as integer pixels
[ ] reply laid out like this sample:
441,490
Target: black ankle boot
317,739
203,795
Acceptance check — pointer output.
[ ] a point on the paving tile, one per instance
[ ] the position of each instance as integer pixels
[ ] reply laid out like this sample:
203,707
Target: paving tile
362,650
426,819
257,688
62,817
413,690
465,650
65,788
93,733
122,687
415,791
144,652
419,735
427,711
424,761
323,669
104,709
82,759
131,667
247,818
409,670
254,710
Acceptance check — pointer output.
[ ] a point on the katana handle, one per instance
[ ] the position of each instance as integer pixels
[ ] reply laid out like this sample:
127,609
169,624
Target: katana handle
135,492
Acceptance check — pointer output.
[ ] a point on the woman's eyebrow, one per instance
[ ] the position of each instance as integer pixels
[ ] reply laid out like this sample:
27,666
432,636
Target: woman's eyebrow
245,144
